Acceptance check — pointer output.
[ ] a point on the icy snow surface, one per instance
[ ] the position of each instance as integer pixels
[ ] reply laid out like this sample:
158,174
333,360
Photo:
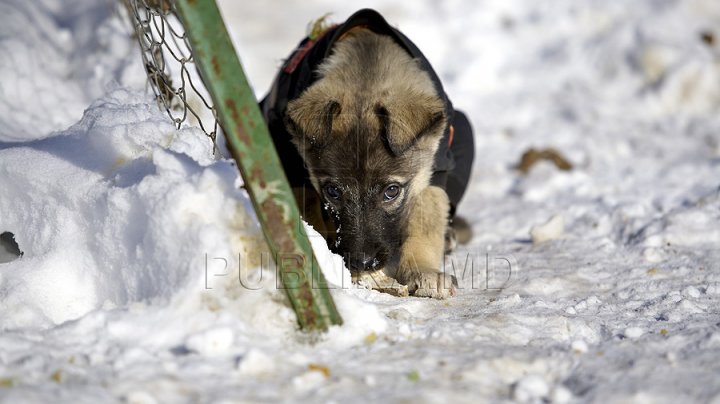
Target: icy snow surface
139,280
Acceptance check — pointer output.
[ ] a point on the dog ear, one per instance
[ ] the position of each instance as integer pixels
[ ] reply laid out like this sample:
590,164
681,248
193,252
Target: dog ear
403,124
311,121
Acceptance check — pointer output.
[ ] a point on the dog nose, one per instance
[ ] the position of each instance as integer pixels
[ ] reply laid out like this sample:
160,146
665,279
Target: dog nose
362,262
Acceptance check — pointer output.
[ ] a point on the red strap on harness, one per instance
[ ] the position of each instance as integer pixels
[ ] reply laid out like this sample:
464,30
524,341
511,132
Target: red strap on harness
450,135
299,55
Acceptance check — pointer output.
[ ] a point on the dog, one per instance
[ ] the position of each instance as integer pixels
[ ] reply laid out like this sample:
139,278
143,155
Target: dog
363,128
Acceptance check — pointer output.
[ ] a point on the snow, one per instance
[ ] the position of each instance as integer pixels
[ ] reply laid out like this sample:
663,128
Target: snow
140,281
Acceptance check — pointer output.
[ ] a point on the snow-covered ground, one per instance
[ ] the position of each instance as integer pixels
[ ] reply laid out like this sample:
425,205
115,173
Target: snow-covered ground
133,236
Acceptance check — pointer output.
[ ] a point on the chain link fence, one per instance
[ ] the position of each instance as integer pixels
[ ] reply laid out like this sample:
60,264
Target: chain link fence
170,65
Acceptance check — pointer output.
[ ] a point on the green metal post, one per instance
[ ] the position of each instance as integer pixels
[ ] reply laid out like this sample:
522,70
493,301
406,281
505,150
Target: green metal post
253,150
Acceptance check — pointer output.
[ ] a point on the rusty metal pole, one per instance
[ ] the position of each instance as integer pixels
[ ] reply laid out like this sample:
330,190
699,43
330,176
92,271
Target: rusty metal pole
252,148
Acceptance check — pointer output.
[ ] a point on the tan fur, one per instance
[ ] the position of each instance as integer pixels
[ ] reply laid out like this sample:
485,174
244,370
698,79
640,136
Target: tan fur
422,252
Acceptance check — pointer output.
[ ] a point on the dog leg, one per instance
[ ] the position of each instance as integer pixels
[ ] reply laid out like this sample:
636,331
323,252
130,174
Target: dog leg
422,252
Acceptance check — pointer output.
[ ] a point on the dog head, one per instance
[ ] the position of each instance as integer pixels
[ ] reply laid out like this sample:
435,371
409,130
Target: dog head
368,131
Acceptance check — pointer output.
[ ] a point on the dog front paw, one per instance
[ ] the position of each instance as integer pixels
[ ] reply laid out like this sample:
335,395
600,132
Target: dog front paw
436,285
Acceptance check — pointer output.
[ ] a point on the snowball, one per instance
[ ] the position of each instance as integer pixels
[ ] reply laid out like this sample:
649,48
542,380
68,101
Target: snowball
691,291
579,346
140,397
530,388
633,332
560,395
211,342
256,362
653,255
551,230
308,380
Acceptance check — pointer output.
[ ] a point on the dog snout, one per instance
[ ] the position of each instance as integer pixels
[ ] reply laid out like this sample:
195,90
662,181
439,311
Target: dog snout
362,261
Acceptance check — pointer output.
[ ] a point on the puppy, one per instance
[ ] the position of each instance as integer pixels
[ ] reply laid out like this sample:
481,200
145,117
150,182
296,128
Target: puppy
362,125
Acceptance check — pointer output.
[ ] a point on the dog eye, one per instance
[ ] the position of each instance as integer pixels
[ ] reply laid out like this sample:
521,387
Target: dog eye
391,192
333,192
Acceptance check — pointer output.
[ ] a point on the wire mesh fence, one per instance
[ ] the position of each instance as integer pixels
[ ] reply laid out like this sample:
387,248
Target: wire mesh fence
170,65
